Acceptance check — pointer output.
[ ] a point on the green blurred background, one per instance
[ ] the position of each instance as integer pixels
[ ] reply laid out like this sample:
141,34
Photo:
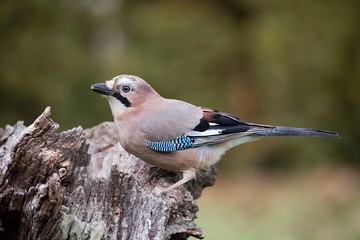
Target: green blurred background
278,62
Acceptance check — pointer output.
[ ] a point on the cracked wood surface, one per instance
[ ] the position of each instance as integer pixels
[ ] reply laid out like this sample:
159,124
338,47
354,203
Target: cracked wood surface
81,184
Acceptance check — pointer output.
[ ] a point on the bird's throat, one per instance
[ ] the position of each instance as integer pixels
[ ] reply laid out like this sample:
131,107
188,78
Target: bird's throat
116,106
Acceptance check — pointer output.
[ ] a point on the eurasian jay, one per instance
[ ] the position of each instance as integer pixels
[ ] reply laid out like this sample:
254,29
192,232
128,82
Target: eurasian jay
178,136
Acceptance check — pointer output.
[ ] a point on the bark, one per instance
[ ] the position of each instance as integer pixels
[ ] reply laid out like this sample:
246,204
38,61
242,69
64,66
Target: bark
81,184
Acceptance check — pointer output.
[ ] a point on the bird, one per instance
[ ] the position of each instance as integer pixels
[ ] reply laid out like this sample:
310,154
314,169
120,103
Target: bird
178,136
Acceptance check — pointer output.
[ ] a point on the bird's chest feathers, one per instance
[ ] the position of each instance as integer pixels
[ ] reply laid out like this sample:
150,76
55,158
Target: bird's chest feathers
130,138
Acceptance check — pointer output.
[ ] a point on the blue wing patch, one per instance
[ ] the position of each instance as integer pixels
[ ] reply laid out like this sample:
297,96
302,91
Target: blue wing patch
179,143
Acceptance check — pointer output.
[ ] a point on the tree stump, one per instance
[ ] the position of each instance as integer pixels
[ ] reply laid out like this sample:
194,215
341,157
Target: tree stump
81,184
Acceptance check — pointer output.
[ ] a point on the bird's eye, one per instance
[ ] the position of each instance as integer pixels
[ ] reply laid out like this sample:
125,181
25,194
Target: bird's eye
125,88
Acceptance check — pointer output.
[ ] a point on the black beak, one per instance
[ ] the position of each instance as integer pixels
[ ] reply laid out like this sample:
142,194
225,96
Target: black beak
102,89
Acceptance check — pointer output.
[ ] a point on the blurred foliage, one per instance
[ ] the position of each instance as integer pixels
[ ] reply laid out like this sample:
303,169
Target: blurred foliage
277,62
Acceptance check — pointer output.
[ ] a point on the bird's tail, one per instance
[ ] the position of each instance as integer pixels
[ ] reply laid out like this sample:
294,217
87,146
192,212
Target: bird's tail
248,132
292,131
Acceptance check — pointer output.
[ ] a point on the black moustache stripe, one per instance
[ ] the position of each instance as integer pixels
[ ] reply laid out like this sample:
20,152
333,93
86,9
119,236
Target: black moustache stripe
122,99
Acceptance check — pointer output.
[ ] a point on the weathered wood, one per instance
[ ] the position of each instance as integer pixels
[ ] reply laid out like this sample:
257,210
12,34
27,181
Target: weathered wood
81,184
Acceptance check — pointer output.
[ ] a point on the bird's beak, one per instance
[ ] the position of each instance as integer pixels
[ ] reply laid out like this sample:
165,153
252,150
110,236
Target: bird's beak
102,89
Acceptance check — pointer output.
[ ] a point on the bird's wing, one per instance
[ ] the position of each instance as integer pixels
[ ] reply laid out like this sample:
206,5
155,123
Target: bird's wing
212,128
166,119
223,127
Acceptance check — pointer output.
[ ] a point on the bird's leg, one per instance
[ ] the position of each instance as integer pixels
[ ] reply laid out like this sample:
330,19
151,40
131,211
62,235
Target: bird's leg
187,176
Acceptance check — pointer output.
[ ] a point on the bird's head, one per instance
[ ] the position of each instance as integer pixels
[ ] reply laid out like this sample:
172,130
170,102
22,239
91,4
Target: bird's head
125,92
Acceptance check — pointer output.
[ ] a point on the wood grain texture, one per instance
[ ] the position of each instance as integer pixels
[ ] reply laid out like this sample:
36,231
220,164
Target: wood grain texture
81,184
